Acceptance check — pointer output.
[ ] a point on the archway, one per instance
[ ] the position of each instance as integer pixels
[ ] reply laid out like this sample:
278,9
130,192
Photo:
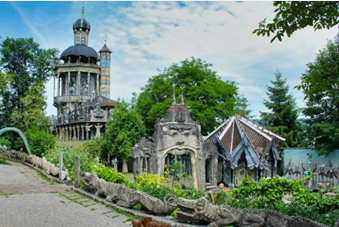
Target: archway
21,134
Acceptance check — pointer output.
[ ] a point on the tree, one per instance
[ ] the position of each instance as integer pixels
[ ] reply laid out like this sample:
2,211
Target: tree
320,84
26,68
283,118
295,15
209,99
124,130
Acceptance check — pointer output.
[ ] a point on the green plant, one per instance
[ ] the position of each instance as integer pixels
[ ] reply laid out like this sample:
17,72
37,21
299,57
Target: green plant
108,174
6,142
40,141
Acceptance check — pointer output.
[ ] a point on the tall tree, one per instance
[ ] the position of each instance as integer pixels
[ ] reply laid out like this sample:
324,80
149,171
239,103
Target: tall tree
27,64
124,130
294,15
320,84
208,98
283,118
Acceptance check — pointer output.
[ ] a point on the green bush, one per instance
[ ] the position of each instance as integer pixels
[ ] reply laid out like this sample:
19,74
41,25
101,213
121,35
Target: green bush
108,174
40,141
6,142
268,194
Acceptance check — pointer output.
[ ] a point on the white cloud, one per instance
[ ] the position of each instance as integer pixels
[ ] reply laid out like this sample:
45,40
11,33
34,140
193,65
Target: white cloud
146,36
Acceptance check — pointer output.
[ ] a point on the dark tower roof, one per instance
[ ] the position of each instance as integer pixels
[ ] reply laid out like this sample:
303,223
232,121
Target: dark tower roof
80,51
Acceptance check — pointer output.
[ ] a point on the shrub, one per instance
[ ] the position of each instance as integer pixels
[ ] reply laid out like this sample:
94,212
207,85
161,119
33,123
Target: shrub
40,141
6,142
108,174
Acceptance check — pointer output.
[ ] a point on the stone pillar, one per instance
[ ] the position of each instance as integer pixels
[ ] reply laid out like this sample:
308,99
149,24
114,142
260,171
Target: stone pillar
66,133
74,133
78,83
58,84
78,132
60,165
88,81
77,172
82,132
68,82
97,88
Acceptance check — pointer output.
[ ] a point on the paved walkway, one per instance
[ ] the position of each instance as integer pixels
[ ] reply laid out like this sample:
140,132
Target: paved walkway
26,199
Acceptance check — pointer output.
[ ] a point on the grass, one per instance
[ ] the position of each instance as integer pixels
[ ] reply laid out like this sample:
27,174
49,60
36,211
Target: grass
3,162
45,178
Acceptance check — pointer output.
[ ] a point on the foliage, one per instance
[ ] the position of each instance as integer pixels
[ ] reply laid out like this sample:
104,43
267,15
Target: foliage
294,15
283,116
268,194
320,85
95,148
6,142
208,98
108,174
69,155
153,180
124,130
25,67
40,141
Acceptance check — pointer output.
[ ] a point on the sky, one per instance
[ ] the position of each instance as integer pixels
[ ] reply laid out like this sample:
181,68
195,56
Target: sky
149,36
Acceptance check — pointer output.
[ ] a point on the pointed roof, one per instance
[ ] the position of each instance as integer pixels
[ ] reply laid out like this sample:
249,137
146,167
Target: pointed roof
237,131
105,49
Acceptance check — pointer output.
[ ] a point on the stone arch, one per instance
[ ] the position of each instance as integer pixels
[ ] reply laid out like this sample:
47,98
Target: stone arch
21,134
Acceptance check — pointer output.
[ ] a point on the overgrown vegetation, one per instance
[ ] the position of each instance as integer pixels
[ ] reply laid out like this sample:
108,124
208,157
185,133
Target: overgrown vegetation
268,194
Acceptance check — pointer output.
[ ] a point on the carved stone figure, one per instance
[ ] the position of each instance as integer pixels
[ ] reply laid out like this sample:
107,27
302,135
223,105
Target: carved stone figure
126,197
202,210
97,134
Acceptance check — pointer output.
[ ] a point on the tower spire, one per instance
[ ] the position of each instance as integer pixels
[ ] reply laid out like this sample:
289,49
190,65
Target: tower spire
174,101
182,95
83,12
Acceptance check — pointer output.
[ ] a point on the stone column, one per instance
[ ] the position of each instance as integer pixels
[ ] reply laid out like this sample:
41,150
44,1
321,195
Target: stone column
78,83
88,81
77,172
66,133
78,132
97,88
82,132
58,84
74,132
68,82
60,165
54,85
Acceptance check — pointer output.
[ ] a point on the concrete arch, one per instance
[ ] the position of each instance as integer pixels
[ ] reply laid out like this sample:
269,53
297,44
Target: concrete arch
21,134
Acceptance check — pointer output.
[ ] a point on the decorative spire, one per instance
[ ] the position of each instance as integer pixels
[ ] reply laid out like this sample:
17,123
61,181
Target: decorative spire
83,12
182,94
174,101
105,38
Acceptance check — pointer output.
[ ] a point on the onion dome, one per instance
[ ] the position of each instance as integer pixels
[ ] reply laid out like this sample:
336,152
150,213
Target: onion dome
85,53
83,24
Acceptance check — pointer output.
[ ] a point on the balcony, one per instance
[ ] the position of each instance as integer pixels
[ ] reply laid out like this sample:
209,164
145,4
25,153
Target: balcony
71,98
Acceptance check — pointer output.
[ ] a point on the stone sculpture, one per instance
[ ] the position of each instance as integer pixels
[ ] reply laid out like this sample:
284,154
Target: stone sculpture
126,197
202,210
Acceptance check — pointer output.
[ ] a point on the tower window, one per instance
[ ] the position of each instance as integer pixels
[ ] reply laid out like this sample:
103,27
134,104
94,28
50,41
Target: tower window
82,40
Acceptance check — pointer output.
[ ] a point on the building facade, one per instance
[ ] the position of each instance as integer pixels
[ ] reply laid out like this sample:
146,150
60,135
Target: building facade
82,88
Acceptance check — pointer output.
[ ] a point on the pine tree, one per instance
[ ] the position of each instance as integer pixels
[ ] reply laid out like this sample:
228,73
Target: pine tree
283,118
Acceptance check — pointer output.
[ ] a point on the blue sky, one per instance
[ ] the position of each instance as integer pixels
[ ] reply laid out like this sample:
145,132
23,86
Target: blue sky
147,36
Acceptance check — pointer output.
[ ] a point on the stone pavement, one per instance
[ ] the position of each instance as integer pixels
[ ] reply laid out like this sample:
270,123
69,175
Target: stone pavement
27,199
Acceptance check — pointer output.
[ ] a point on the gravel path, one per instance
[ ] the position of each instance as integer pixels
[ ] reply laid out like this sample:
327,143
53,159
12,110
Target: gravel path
26,199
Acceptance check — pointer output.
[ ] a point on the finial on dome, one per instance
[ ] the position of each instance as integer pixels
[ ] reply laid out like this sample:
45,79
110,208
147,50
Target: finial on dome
182,94
83,12
174,101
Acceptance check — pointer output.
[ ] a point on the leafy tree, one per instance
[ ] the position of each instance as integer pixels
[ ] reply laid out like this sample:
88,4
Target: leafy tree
294,15
283,116
124,130
320,84
209,99
26,68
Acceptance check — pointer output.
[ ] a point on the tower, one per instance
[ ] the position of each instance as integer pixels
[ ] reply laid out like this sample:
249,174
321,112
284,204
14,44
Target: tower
105,63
